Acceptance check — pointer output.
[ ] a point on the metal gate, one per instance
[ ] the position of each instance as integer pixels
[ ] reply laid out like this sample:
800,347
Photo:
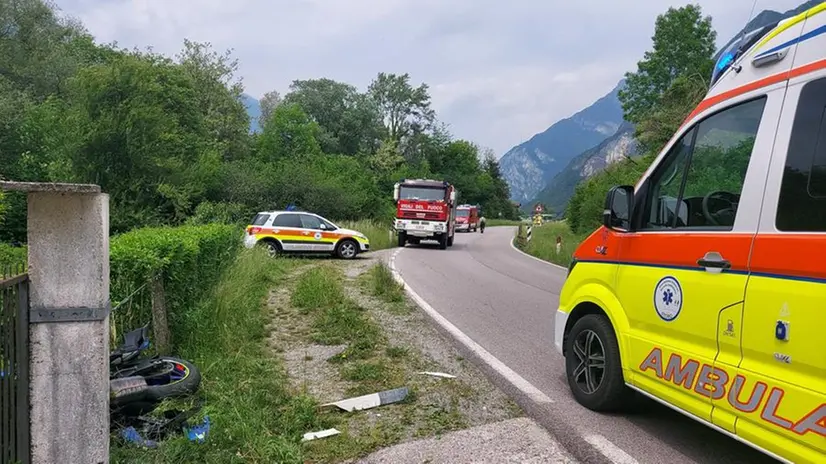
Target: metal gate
14,367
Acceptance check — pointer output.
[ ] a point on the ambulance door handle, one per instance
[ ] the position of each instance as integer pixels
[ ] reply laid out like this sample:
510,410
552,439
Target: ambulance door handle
714,262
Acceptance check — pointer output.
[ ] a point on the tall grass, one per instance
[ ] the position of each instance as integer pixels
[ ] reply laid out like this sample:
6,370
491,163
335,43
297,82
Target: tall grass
543,242
384,285
253,415
377,231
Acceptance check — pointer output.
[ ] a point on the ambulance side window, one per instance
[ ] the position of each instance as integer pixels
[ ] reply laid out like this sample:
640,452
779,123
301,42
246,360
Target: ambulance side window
802,203
698,184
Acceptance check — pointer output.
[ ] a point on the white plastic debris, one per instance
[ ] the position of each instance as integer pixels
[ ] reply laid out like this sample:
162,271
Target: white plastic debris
320,434
439,374
372,400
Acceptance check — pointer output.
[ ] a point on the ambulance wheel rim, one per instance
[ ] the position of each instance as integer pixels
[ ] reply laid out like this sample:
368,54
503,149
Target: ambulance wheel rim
590,356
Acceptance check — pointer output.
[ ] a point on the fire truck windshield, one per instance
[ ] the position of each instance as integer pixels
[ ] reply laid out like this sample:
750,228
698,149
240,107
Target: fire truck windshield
421,193
462,212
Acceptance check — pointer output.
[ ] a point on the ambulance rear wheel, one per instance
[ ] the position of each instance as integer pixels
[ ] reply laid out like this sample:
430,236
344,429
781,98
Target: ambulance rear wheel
593,366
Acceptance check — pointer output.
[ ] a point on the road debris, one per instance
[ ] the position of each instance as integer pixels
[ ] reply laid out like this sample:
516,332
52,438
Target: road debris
439,374
372,400
320,434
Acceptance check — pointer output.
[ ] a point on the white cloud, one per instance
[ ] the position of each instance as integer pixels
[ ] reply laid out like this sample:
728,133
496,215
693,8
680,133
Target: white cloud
498,74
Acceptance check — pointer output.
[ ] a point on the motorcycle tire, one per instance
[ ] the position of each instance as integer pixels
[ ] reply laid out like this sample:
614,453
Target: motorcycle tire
184,386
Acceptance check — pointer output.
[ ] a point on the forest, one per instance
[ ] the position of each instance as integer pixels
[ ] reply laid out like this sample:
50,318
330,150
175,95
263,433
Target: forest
168,137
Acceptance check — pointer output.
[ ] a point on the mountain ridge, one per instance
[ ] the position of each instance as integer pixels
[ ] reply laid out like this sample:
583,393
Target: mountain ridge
529,166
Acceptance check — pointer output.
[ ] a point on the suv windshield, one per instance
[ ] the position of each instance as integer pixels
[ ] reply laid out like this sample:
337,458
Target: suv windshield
421,193
462,212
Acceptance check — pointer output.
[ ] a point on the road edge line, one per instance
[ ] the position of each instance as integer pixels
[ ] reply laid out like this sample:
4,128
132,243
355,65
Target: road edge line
609,450
509,374
535,258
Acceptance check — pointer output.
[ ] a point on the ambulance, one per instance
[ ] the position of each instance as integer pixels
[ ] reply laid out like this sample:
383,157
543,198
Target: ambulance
705,288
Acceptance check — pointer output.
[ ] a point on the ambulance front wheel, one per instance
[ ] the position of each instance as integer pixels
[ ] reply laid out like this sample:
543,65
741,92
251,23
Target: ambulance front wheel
593,366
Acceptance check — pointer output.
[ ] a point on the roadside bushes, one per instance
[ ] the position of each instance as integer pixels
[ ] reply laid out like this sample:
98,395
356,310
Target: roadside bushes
187,259
11,256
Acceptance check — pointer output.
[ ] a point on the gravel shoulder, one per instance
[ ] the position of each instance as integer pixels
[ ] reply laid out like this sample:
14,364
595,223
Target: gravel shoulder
386,342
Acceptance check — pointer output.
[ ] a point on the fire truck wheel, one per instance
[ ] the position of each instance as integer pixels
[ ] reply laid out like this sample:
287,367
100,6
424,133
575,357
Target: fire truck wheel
402,239
450,241
443,242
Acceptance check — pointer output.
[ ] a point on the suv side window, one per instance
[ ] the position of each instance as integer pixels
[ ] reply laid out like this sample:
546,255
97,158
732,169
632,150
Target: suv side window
802,203
698,184
287,220
310,222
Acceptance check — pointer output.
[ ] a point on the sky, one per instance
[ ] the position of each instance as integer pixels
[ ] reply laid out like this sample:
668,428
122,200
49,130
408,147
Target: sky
497,74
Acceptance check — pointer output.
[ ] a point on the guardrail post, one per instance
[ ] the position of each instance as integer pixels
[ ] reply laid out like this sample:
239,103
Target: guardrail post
68,239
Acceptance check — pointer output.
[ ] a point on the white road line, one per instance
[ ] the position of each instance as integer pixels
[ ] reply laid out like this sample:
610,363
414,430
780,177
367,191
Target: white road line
610,450
535,258
515,379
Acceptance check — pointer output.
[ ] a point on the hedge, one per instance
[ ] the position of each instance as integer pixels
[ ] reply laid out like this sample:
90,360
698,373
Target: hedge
11,257
188,259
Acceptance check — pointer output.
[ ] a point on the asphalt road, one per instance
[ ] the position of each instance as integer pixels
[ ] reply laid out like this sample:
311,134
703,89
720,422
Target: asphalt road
505,301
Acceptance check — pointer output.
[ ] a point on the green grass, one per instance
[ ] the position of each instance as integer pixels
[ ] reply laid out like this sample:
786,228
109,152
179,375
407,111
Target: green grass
376,231
317,288
543,242
253,415
384,286
501,222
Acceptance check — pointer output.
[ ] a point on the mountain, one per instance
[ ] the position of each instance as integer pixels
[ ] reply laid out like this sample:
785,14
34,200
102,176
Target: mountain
253,109
529,166
616,147
561,187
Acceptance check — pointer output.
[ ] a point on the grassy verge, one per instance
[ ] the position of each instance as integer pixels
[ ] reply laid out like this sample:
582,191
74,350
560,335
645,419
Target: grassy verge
376,231
338,332
543,243
501,222
254,416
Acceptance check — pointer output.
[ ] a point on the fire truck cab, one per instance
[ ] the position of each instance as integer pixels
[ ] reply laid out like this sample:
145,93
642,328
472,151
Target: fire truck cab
467,218
425,210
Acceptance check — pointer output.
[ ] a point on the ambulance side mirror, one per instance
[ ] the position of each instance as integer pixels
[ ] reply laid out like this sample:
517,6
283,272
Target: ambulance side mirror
619,208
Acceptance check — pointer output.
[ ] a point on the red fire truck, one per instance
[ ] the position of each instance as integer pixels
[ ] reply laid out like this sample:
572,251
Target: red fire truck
425,210
467,218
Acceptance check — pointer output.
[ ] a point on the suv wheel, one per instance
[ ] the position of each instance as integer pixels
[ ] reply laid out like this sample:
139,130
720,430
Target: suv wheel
273,248
347,249
593,366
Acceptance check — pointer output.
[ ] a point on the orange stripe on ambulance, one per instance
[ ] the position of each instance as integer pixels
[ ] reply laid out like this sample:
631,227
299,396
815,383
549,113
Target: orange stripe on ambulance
712,382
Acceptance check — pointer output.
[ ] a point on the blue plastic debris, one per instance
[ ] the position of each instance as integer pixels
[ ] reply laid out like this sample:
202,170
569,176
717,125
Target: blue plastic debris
132,436
198,433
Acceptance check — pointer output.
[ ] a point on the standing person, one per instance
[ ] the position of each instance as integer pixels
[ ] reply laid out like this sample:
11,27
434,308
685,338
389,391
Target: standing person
482,224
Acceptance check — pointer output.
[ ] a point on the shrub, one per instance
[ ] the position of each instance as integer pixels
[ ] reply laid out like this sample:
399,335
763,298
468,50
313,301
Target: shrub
189,260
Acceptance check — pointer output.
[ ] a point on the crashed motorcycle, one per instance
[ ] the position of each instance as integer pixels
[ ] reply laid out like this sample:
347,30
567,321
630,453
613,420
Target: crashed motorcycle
138,384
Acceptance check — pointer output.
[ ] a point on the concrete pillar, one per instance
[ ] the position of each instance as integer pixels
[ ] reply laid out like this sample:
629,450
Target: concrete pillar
68,239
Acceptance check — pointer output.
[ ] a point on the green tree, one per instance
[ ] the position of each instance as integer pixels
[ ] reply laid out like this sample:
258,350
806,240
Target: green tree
350,122
145,139
683,44
405,109
290,132
268,103
218,96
